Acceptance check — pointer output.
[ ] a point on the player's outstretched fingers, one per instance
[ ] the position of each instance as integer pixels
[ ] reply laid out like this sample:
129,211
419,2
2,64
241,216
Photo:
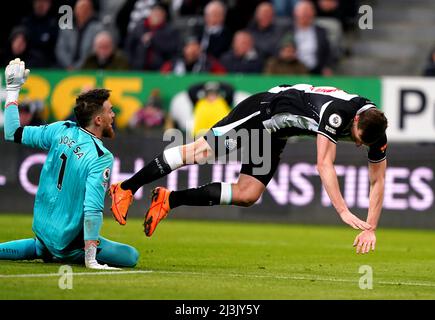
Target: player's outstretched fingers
361,248
373,245
369,245
355,242
364,248
358,247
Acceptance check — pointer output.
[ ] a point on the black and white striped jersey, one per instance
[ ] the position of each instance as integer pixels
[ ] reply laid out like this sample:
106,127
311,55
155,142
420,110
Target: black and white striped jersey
303,109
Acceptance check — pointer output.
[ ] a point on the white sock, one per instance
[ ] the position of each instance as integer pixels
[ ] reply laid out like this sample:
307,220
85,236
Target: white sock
226,193
173,157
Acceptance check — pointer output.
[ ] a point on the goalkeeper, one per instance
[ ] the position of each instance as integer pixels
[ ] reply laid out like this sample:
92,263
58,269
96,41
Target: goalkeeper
68,211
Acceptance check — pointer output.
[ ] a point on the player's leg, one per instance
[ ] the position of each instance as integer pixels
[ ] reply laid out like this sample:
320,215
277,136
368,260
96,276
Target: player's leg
244,193
246,118
174,158
24,249
108,252
251,184
116,254
168,161
198,151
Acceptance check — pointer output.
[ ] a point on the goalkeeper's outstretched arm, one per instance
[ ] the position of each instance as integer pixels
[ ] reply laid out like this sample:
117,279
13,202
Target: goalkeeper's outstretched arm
33,136
15,74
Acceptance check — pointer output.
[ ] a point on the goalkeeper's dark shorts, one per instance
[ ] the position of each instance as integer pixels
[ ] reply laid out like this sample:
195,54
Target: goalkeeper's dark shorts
242,136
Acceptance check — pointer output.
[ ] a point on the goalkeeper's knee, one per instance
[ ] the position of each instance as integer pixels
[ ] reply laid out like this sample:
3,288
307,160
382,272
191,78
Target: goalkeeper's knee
125,256
131,257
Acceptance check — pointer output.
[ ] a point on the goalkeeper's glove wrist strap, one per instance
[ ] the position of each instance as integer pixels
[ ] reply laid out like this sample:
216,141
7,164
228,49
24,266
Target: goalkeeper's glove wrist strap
12,95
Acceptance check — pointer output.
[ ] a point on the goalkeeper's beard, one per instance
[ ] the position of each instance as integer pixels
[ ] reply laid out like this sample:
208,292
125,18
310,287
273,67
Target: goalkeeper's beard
108,132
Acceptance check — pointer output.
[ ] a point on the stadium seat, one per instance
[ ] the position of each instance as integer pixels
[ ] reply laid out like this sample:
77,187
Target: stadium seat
335,34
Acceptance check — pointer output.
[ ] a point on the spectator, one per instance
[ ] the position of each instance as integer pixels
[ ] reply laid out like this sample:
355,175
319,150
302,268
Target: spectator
329,8
19,48
286,62
44,28
106,55
108,11
193,60
214,37
201,106
243,58
151,115
429,70
311,40
10,21
74,45
264,31
240,13
188,7
343,11
209,108
153,42
284,8
141,11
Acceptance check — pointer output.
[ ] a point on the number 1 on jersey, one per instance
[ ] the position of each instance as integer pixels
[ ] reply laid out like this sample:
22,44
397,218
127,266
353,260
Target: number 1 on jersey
63,157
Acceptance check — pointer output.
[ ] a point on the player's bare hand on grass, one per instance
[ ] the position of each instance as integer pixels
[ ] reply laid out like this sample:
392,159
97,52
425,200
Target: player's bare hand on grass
354,221
365,241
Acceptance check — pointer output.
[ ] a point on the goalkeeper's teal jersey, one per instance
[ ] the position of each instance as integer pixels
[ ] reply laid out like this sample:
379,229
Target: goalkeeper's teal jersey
73,181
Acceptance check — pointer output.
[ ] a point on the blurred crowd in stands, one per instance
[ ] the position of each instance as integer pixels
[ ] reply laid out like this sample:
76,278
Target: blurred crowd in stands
292,37
181,36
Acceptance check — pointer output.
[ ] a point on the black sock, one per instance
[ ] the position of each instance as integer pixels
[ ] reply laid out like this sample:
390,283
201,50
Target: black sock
206,195
152,171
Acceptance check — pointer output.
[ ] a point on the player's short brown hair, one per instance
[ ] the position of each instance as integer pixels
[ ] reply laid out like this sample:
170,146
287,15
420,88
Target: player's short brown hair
88,104
373,124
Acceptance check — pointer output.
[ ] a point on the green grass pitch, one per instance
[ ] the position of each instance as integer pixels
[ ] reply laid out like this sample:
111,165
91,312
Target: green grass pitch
234,260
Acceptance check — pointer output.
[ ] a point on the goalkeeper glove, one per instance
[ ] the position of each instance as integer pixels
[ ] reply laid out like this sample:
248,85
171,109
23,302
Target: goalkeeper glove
15,74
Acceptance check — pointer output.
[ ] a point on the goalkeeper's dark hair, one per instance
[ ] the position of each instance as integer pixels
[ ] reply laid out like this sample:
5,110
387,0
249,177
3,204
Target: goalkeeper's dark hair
373,124
88,104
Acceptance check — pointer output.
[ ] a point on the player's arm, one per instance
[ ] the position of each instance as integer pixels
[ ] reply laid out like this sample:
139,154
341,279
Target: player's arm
377,184
32,136
15,74
326,153
366,240
96,185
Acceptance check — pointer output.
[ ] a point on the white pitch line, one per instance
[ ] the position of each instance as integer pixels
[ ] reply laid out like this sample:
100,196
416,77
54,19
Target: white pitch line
45,275
234,275
423,284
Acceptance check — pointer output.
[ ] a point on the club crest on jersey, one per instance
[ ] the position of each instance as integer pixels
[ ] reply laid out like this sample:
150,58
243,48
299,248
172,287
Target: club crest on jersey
335,120
230,144
106,174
